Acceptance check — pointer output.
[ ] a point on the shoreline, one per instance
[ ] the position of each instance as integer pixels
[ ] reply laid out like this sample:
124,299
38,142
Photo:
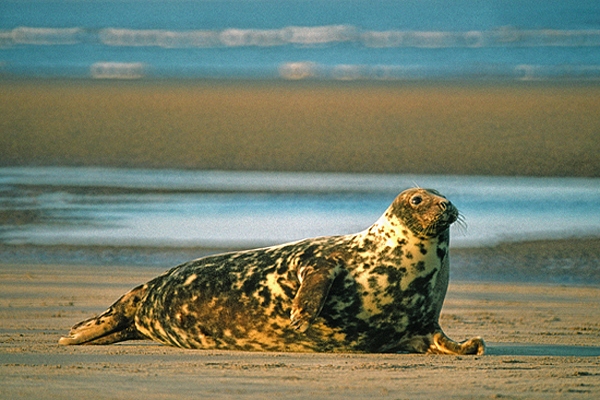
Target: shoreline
453,128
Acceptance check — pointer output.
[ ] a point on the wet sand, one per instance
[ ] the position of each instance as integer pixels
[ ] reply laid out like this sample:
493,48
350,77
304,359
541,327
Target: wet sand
544,342
509,128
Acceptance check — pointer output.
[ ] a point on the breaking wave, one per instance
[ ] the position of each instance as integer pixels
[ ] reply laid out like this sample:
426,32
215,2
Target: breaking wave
301,36
299,70
40,36
117,70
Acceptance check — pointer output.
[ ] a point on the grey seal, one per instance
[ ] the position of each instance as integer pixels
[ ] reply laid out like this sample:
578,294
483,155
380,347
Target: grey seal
379,290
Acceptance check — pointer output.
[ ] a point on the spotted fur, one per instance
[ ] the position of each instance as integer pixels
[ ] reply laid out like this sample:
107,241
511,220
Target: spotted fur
380,290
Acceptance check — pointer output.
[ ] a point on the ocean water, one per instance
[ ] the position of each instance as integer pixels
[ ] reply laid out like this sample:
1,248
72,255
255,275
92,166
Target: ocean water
296,39
89,207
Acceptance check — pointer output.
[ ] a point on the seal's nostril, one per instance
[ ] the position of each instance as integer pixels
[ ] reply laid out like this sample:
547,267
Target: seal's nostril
443,205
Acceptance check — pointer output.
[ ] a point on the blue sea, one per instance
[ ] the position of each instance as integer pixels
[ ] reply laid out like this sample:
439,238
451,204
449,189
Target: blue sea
301,39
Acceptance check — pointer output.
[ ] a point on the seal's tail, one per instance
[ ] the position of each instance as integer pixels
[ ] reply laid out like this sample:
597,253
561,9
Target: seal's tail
114,325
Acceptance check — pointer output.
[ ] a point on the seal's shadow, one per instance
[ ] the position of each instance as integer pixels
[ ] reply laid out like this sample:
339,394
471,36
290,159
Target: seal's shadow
519,349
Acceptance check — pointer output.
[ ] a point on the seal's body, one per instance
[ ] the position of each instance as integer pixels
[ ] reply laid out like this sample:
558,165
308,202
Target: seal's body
380,290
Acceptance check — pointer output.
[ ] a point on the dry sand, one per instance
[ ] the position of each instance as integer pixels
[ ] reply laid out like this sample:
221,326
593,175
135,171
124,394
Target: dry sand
524,128
544,342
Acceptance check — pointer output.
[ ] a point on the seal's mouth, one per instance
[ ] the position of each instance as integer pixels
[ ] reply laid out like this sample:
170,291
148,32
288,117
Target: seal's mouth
435,223
447,216
449,213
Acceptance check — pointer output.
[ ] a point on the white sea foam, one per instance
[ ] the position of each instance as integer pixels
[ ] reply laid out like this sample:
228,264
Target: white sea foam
159,38
43,36
303,36
321,34
298,70
117,70
252,37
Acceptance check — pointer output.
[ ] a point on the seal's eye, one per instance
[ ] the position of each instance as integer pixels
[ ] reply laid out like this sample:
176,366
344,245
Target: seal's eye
416,200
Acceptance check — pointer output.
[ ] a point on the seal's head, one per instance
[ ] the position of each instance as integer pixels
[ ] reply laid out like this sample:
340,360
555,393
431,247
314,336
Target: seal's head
426,212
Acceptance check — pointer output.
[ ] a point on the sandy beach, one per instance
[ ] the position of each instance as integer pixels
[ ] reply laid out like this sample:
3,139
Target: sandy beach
535,303
543,342
465,128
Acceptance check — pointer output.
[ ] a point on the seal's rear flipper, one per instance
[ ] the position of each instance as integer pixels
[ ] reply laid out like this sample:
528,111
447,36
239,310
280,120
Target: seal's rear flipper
442,344
114,325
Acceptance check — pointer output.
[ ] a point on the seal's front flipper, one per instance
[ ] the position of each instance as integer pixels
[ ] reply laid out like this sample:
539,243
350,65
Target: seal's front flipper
315,282
442,344
114,325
